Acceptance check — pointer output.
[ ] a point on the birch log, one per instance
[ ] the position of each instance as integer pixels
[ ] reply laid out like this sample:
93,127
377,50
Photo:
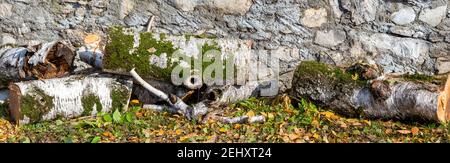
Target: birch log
69,97
155,56
390,98
44,61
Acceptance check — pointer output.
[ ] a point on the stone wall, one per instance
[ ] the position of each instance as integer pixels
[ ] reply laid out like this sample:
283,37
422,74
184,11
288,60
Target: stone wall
399,35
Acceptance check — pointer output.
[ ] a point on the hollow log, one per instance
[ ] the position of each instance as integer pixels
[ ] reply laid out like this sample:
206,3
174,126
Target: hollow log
43,61
386,98
68,97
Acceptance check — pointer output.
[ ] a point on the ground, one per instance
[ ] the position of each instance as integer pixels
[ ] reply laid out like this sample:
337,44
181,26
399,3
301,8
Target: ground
287,122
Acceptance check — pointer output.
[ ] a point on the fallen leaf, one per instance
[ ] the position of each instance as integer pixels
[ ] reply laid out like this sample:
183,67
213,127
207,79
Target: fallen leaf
107,134
134,102
237,126
160,132
270,116
388,131
293,136
415,131
178,132
223,129
404,131
151,50
316,136
250,113
367,122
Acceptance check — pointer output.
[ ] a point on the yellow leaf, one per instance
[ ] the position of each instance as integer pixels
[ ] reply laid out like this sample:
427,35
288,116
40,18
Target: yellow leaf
367,122
107,134
223,129
178,132
355,77
316,136
160,132
237,126
415,131
250,113
183,138
270,116
134,102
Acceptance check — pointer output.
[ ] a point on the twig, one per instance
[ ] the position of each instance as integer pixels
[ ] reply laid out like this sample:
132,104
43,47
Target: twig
150,23
174,101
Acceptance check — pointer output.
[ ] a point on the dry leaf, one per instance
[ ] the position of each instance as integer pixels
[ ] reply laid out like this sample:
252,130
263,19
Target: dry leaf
160,132
151,50
178,132
293,136
388,131
415,131
404,131
134,102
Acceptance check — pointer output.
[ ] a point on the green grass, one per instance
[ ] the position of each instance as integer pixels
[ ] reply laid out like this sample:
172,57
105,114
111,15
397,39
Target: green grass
286,122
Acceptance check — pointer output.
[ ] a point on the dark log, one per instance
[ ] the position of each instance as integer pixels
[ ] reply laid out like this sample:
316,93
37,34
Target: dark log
385,97
43,61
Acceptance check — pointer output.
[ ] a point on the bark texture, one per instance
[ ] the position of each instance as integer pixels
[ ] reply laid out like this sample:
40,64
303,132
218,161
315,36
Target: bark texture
386,98
69,97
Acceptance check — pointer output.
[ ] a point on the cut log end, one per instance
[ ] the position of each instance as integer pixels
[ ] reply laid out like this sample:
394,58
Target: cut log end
443,111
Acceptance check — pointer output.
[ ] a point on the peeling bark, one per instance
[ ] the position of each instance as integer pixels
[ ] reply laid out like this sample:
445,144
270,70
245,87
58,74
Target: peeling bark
44,61
386,98
69,97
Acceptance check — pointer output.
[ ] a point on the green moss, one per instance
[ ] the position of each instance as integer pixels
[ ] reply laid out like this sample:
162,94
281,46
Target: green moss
119,98
4,110
88,103
36,104
121,44
314,68
119,59
424,78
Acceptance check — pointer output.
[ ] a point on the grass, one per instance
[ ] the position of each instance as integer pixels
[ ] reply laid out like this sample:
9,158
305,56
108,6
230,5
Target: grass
287,122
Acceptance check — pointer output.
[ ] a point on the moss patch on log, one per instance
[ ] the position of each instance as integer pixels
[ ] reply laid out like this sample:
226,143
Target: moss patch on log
4,110
35,105
89,102
119,97
120,44
318,69
439,80
119,58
